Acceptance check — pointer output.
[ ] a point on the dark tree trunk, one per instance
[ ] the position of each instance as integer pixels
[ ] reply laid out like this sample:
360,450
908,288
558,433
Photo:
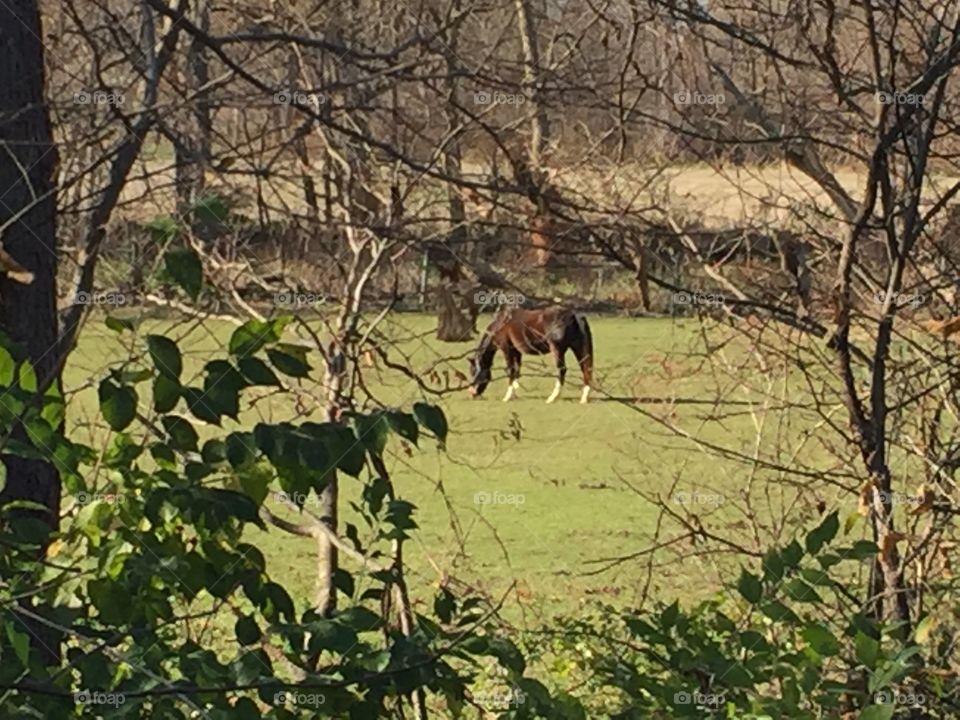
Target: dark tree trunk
193,147
28,311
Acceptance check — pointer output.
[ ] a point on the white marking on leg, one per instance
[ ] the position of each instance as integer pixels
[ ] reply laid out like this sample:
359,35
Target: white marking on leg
510,390
585,395
556,392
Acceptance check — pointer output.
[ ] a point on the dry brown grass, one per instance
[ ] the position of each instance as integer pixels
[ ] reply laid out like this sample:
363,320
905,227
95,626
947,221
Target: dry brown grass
723,196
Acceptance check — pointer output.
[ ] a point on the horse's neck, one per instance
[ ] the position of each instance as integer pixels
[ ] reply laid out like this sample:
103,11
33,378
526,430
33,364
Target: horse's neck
487,348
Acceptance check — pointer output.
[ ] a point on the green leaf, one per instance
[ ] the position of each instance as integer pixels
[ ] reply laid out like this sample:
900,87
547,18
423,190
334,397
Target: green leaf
132,376
247,630
329,635
668,618
372,431
21,644
433,419
792,554
279,601
27,377
860,550
7,368
404,425
166,393
221,388
290,360
444,605
214,451
182,434
359,619
119,325
251,336
772,565
779,612
201,406
241,449
798,590
257,372
54,409
851,522
821,640
507,653
344,582
185,269
924,628
163,229
823,533
877,712
165,355
210,210
118,404
750,587
345,450
867,650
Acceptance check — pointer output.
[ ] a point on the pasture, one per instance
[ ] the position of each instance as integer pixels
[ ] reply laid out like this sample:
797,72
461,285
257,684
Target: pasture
530,498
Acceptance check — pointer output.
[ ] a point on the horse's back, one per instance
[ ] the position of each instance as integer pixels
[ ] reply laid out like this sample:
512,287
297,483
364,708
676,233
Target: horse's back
533,331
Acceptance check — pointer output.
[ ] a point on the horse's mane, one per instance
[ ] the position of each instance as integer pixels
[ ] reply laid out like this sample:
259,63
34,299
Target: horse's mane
486,343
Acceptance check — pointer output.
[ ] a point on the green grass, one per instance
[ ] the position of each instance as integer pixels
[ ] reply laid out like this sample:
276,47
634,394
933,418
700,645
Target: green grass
578,469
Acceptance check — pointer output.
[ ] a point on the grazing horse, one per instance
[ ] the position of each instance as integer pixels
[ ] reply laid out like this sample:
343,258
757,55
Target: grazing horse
534,332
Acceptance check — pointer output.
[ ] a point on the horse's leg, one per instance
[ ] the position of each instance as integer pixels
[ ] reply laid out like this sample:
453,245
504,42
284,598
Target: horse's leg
558,356
513,372
584,355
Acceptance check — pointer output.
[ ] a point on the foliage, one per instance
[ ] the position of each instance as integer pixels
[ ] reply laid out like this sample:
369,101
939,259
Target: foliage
789,641
151,557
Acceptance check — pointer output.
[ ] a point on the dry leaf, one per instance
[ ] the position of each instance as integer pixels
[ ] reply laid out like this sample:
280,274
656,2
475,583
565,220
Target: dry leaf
888,544
13,269
866,499
55,547
944,328
926,497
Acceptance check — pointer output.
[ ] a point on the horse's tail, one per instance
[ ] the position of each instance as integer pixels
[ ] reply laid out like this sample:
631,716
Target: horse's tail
584,326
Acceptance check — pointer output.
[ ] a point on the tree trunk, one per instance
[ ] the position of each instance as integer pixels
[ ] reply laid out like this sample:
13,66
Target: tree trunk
453,324
28,312
193,146
539,127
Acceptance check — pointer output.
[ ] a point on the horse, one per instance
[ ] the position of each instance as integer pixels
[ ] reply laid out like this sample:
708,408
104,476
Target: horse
519,331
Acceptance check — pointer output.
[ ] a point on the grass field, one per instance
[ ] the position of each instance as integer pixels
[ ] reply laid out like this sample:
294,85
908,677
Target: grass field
567,473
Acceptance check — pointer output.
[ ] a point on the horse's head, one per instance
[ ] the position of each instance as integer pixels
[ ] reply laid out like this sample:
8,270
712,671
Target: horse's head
479,376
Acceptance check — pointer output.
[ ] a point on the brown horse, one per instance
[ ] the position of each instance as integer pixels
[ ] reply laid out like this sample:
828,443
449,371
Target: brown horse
534,332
